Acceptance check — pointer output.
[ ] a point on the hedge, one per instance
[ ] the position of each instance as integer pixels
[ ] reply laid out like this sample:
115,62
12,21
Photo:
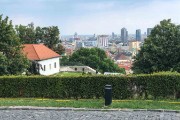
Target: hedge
124,87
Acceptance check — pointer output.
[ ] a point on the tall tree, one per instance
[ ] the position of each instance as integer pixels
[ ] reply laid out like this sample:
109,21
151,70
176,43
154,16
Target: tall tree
3,64
51,36
95,58
39,34
59,49
47,35
160,51
27,34
12,60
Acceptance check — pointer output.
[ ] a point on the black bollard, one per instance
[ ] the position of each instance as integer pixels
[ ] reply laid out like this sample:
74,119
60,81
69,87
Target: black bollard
108,95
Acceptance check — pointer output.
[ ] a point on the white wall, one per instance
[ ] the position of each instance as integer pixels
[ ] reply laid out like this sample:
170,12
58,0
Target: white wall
78,69
102,41
49,66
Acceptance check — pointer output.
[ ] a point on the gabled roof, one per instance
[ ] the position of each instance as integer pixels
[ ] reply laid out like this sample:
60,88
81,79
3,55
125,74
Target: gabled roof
121,56
126,66
38,52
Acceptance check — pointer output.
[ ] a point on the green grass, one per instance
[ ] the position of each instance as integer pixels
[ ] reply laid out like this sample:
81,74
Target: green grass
91,103
51,102
69,74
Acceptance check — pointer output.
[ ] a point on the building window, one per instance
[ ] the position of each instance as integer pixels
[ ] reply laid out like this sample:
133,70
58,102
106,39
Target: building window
44,67
55,65
49,66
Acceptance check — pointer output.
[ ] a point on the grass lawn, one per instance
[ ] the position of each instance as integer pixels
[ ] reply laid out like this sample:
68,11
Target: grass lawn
91,103
69,74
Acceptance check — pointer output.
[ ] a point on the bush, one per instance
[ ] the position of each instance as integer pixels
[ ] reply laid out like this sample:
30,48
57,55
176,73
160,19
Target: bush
161,85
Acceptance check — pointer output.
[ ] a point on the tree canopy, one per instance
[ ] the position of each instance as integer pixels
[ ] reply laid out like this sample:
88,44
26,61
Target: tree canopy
47,35
161,50
12,60
95,58
27,34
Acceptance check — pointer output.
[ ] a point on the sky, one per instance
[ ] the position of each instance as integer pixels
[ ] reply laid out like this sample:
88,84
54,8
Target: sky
88,17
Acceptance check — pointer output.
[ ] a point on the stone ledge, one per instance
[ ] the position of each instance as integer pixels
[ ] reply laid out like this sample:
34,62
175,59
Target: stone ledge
82,109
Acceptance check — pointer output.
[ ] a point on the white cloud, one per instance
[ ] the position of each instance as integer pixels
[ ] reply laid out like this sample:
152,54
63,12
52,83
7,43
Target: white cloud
25,20
92,6
89,17
136,17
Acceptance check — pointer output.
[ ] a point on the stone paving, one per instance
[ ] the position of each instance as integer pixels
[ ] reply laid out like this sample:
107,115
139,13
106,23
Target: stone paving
18,114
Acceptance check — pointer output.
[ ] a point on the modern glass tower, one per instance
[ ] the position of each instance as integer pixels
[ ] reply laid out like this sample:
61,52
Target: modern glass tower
138,34
124,35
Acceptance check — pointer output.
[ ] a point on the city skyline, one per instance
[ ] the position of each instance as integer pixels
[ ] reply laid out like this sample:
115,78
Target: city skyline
91,16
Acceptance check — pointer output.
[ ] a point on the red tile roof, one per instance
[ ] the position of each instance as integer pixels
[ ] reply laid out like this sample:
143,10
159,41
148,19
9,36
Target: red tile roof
126,66
38,52
121,56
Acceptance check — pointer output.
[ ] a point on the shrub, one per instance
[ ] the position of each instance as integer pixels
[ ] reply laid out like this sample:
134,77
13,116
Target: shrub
159,85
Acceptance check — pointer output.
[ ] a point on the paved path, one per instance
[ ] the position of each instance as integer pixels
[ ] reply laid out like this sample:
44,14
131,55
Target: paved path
35,114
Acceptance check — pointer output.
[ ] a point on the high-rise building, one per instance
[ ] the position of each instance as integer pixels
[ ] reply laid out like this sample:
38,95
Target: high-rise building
134,47
124,35
75,35
94,35
113,35
102,41
138,34
149,31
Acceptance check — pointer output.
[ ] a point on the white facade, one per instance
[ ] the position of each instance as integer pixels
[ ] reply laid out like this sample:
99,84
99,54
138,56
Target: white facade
102,41
85,69
134,47
49,66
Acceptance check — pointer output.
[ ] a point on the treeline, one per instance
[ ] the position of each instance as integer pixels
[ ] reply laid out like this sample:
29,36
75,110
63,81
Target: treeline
49,36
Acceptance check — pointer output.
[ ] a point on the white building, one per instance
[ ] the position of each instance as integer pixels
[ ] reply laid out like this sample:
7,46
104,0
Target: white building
134,47
47,60
102,41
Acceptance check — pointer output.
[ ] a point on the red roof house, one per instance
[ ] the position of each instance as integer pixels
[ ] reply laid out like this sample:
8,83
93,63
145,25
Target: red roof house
47,59
38,52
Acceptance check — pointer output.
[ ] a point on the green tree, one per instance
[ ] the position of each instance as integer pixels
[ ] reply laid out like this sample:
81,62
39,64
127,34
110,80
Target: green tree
59,49
51,37
27,34
64,61
160,51
47,35
95,58
3,64
39,35
21,32
12,60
